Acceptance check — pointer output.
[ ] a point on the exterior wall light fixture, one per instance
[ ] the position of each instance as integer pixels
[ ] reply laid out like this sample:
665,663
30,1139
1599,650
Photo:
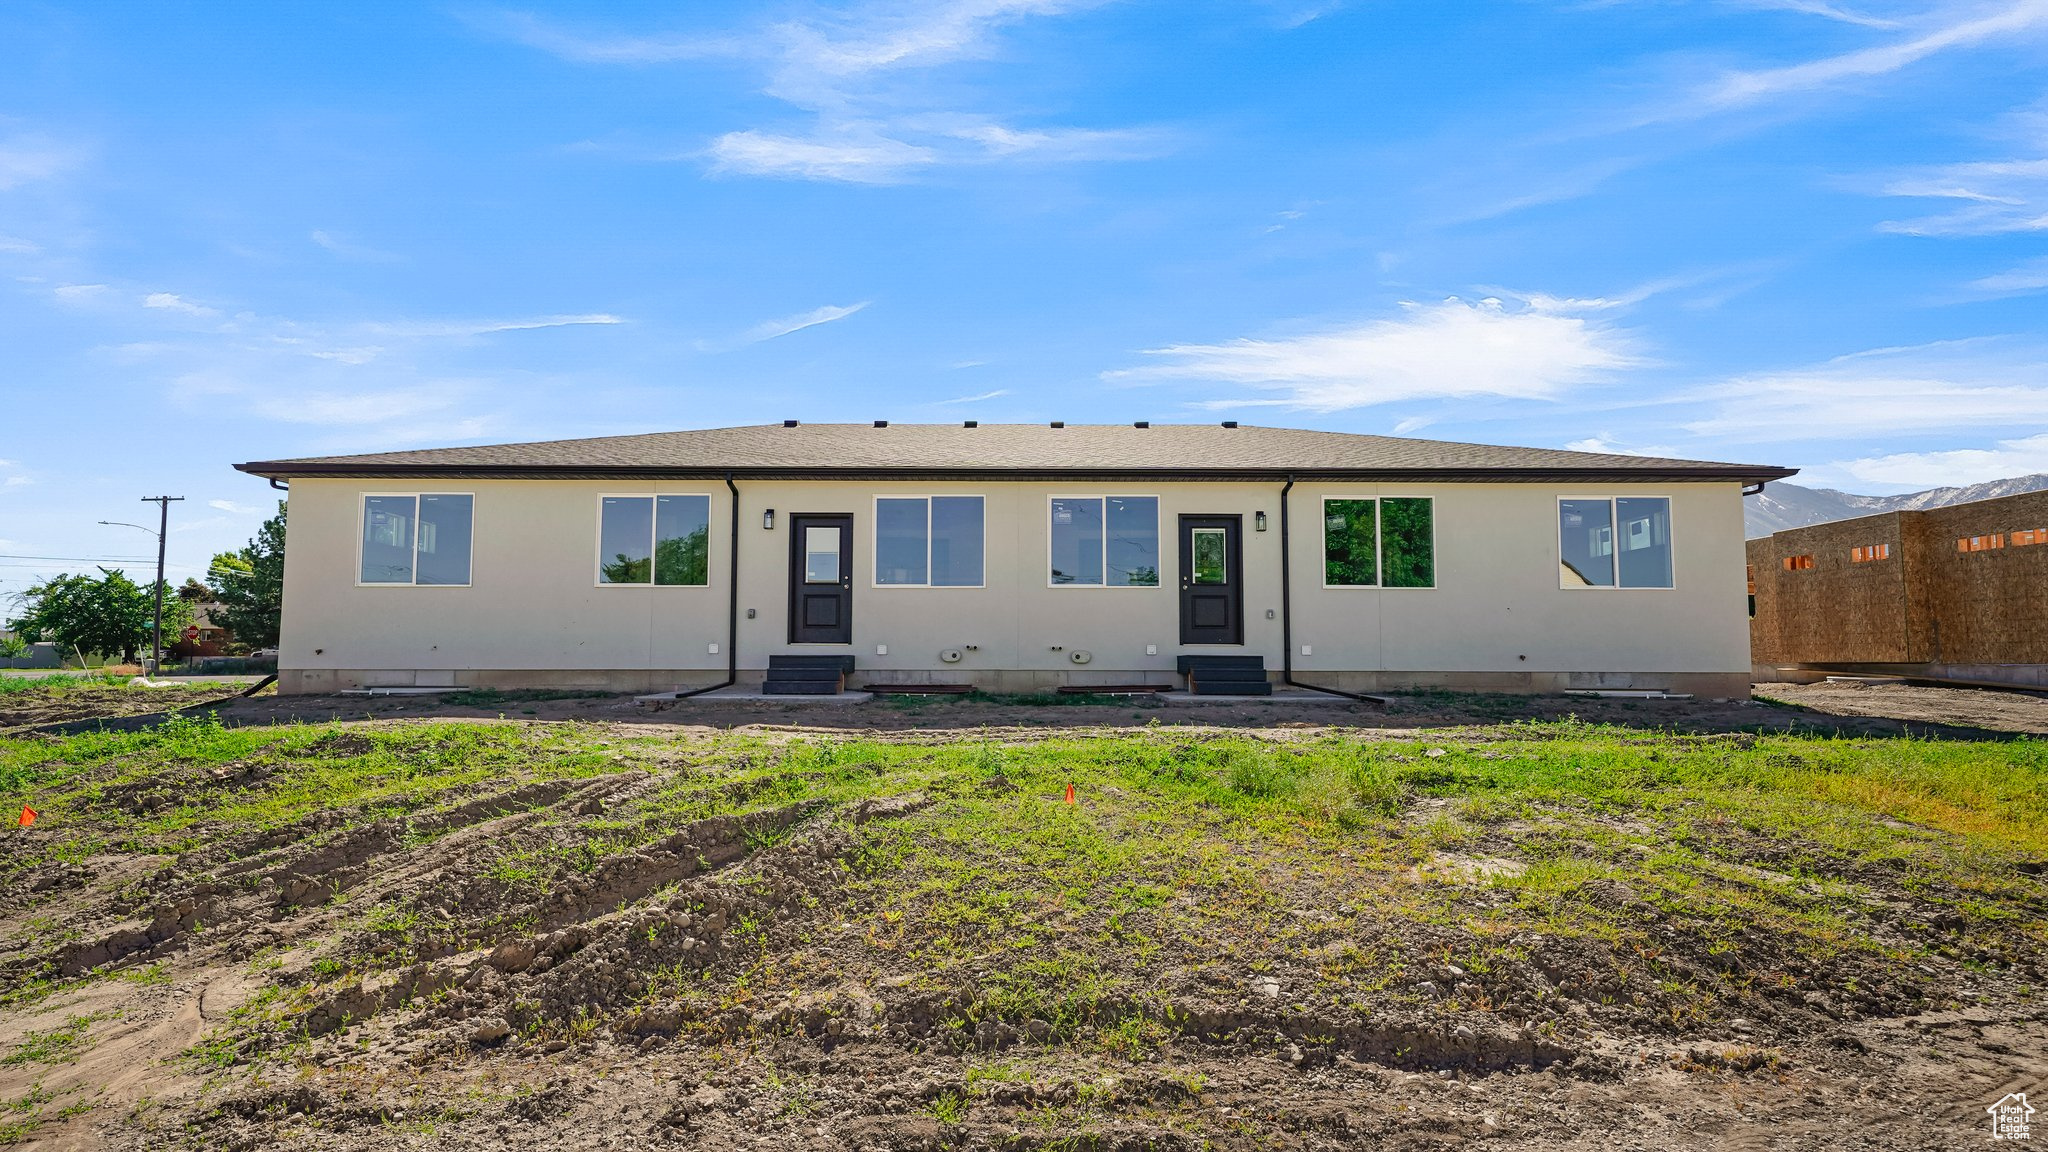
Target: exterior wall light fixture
768,519
1258,521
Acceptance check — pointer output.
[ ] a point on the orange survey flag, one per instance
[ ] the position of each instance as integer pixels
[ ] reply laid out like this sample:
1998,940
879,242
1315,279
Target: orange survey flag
28,815
1070,793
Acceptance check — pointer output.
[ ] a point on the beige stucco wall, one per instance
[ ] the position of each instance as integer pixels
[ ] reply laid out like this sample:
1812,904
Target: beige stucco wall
533,613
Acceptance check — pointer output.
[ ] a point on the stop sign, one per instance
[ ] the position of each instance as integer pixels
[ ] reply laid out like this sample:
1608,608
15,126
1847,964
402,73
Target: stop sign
191,632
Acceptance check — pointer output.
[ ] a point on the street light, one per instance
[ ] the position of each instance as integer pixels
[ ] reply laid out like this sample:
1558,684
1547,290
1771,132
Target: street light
156,637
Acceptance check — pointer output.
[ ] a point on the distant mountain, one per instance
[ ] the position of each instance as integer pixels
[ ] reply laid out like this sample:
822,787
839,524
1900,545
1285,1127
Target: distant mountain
1781,505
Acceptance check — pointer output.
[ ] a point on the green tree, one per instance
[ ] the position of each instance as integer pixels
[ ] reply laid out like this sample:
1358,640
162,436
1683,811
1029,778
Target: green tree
683,559
110,615
248,586
1409,540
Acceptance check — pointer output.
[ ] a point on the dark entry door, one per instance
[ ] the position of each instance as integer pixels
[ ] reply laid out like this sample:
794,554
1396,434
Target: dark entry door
1211,580
820,578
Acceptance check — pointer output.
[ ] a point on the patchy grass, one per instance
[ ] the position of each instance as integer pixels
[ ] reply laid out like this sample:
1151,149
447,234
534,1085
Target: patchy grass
59,1045
1662,881
15,689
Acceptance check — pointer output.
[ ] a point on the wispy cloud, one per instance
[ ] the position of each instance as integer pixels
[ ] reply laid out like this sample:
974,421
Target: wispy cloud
783,326
1456,348
869,159
2031,276
1957,385
863,79
12,477
356,408
1606,443
1996,196
2020,457
348,250
237,509
25,159
78,293
171,301
384,381
1742,88
579,49
457,328
977,398
1824,10
875,37
1295,15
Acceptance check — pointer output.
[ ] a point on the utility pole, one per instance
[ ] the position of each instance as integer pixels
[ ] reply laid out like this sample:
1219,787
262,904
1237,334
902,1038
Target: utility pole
163,527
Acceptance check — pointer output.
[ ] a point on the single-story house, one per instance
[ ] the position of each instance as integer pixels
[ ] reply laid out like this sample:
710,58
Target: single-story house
1014,557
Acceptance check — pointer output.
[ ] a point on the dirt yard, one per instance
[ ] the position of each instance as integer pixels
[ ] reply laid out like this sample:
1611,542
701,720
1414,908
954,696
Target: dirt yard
1990,710
1843,709
31,702
1573,924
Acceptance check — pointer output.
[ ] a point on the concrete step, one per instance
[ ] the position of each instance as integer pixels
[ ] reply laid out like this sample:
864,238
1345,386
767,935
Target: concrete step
794,674
801,687
843,662
1236,686
1186,664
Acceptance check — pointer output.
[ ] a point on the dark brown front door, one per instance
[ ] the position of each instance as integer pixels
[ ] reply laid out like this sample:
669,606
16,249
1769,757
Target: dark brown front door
820,578
1211,580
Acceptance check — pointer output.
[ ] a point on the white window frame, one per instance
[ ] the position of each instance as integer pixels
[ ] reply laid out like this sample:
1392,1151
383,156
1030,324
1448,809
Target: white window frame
654,525
875,537
1158,534
1614,521
1379,545
362,518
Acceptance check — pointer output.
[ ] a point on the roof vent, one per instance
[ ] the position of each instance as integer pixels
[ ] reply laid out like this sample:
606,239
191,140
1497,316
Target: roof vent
789,423
1141,424
970,423
1230,423
1059,423
881,423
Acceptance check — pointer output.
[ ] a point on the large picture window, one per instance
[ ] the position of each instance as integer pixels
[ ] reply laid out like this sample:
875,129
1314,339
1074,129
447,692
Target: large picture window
928,541
1622,542
1379,542
654,540
1105,541
417,539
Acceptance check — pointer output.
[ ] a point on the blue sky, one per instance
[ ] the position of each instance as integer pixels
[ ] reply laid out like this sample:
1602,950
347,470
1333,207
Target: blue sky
1788,231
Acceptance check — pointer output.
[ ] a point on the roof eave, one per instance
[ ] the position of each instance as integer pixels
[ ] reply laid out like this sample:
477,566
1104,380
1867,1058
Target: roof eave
1722,473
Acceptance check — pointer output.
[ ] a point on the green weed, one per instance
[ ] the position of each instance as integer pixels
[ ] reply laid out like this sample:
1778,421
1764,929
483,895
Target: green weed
59,1045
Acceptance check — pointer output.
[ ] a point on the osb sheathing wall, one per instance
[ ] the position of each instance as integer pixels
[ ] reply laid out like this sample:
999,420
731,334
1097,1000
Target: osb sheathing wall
1987,607
1925,603
1837,611
1764,647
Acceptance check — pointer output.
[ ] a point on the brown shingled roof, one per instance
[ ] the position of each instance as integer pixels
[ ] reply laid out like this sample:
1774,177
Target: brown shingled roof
1011,451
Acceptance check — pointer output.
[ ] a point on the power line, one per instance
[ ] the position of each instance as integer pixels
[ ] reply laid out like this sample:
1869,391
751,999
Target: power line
81,559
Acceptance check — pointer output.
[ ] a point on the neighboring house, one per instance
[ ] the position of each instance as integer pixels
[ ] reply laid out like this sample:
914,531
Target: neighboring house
1014,557
1958,593
207,636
